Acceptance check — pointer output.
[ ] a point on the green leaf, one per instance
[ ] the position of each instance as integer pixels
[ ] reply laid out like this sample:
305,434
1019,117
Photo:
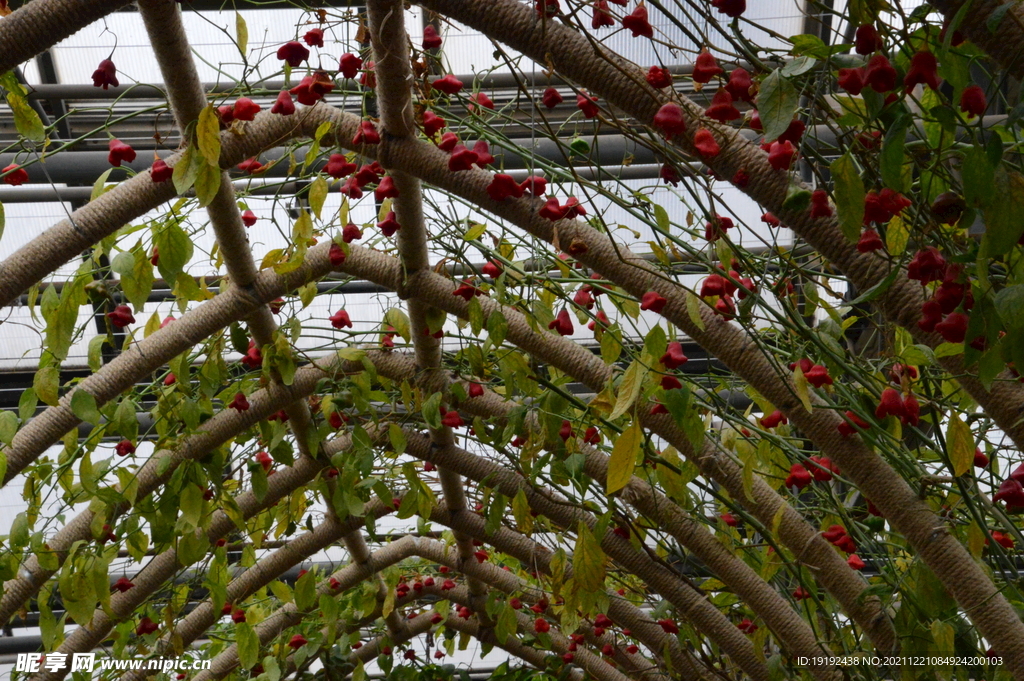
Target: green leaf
208,179
506,625
891,156
317,195
45,384
191,503
399,321
960,444
184,173
849,196
248,645
241,34
208,136
26,120
432,411
8,429
497,327
629,389
305,591
397,437
27,404
661,218
777,104
623,459
588,560
1010,305
1003,226
977,176
83,404
175,249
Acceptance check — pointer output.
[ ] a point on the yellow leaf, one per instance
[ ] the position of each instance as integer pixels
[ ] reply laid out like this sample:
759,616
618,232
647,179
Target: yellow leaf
693,309
960,444
241,34
896,235
801,387
588,560
208,135
629,389
317,195
623,459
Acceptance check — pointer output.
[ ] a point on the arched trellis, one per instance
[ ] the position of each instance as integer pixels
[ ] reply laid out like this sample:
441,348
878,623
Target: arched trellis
412,161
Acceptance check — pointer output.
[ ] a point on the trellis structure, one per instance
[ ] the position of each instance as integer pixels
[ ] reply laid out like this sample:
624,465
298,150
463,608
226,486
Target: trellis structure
649,499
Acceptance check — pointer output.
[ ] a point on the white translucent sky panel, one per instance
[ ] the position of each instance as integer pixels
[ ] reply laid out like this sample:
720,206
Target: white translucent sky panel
25,221
21,338
212,36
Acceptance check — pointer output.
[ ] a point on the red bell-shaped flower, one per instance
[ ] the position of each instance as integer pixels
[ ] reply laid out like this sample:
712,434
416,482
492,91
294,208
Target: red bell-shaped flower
105,75
562,323
431,39
820,207
869,241
732,8
461,158
367,134
350,233
338,166
386,189
705,144
973,101
121,316
658,77
340,320
293,52
652,301
867,41
721,108
669,120
283,105
587,104
637,23
674,357
739,85
781,155
852,80
119,152
503,186
240,403
336,254
602,16
159,172
389,225
551,98
879,74
924,70
449,85
249,218
349,65
706,67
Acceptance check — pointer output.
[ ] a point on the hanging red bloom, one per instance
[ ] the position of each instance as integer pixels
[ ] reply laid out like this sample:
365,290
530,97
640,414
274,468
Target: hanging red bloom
820,207
449,85
973,101
879,74
669,120
602,16
637,23
562,323
431,38
587,104
389,225
705,144
367,134
551,98
706,67
121,316
867,40
293,52
349,65
739,85
658,77
105,75
283,105
732,8
159,172
924,70
721,108
119,152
